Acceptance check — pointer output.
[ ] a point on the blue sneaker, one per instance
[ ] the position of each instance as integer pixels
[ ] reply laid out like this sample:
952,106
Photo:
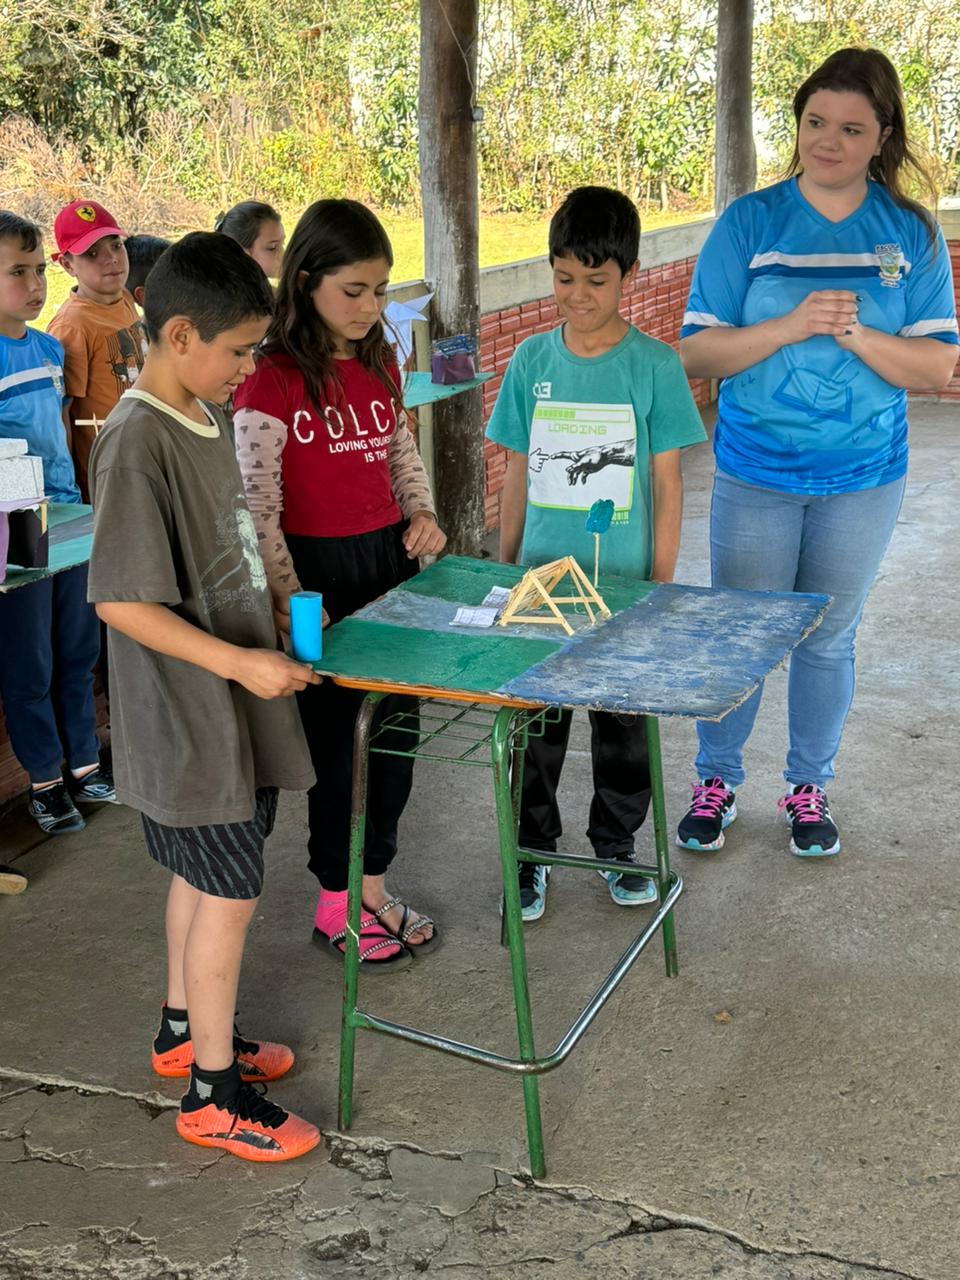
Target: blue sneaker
814,832
533,878
714,807
629,889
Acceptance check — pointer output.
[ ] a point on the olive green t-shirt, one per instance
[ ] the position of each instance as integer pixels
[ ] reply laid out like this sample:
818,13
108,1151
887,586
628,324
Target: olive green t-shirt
172,527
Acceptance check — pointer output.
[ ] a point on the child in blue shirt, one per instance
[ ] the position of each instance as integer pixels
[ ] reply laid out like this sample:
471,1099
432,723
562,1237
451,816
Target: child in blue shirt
595,409
49,636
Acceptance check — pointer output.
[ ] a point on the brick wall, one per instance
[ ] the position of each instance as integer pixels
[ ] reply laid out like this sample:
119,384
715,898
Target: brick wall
655,305
13,780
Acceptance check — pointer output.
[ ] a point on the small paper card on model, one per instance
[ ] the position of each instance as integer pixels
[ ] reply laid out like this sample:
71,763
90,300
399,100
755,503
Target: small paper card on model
475,617
496,597
486,614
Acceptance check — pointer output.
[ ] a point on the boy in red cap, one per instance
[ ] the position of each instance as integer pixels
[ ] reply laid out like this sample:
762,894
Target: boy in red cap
98,325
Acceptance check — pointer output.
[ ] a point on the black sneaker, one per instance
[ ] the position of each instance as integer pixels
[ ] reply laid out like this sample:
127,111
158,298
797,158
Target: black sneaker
630,888
533,878
814,832
54,811
95,787
714,807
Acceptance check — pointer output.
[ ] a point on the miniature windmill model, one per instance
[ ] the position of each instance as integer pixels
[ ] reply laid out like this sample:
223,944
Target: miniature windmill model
535,591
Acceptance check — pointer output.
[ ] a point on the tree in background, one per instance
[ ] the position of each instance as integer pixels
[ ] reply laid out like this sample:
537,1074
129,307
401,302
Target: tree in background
922,39
173,109
582,91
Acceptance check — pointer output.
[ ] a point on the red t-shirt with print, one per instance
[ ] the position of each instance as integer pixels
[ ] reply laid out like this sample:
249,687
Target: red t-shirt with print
336,481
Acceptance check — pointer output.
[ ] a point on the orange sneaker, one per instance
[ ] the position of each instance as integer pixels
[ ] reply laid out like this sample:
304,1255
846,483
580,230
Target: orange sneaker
249,1126
260,1061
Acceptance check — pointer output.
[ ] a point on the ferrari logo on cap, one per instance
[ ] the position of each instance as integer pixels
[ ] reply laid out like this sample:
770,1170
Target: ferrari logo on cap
86,213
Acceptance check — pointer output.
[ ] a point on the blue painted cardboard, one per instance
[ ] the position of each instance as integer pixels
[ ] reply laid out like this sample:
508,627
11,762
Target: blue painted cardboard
683,651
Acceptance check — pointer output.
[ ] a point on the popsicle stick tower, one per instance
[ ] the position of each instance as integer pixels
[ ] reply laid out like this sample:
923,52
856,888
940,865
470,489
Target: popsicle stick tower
533,599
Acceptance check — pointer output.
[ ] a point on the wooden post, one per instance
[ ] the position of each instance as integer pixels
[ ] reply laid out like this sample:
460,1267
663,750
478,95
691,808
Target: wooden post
451,215
736,163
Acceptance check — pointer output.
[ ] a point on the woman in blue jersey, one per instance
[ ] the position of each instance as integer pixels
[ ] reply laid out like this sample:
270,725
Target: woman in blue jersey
820,302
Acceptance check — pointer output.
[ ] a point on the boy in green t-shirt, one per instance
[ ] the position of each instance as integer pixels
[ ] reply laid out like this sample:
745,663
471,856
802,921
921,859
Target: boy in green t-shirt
592,410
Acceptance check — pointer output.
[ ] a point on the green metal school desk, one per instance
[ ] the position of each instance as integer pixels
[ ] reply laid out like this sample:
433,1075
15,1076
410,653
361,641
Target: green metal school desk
666,651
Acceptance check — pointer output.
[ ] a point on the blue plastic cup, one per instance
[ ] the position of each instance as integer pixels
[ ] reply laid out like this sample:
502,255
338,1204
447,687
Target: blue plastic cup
306,625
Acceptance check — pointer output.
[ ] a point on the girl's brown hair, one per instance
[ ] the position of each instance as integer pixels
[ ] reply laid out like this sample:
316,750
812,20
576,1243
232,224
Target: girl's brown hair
330,234
243,222
871,74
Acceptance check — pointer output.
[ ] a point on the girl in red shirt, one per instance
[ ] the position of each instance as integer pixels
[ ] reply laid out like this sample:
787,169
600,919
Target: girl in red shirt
342,505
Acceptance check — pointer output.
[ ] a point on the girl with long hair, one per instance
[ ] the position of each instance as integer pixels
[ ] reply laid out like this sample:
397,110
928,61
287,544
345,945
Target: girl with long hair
820,302
342,506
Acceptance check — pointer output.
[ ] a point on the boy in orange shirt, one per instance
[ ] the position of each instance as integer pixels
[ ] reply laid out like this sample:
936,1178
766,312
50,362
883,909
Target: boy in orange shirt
98,325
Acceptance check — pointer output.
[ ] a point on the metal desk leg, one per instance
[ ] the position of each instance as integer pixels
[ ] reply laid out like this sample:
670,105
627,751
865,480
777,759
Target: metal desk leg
513,921
351,958
660,833
516,793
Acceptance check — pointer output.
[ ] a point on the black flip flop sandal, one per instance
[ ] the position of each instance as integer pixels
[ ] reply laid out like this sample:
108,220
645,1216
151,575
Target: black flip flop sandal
409,924
400,960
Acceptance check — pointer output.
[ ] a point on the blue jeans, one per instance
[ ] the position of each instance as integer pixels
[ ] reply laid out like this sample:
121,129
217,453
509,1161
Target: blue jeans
768,541
49,643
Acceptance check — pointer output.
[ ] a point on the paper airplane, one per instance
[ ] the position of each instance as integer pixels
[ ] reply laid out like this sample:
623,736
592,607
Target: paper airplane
400,318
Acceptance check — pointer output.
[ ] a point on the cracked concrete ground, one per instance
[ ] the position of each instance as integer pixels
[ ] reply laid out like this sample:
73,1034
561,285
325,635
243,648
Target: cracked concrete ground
810,1134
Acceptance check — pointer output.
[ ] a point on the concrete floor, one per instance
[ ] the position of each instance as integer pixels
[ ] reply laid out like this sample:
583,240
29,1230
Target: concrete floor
809,1134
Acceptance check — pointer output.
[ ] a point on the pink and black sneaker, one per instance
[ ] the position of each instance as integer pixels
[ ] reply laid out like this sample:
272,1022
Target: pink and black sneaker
814,832
714,808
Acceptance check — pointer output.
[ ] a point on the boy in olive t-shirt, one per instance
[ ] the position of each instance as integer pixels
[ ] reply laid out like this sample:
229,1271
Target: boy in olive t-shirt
593,410
205,730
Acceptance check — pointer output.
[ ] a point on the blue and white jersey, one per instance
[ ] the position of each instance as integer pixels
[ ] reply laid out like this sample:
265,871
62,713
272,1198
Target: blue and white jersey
813,418
31,401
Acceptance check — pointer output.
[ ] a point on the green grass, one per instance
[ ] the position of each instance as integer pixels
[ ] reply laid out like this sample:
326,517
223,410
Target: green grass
504,237
58,286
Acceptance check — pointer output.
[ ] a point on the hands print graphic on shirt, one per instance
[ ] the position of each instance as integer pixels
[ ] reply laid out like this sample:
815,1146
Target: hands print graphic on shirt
598,444
586,462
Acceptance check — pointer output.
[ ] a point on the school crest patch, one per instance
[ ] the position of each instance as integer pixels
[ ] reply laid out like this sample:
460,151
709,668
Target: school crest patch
890,261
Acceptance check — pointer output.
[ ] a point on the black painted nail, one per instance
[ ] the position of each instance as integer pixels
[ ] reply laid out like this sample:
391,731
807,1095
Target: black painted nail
847,332
857,296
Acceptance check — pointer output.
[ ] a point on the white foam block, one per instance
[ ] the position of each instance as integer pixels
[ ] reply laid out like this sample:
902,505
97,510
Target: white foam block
20,477
12,448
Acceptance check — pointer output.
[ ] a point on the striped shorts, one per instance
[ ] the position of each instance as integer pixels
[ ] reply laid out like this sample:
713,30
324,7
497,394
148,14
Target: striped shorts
224,860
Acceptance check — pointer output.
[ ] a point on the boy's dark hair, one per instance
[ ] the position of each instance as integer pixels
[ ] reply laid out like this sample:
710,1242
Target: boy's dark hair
143,252
593,225
13,227
209,279
243,222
